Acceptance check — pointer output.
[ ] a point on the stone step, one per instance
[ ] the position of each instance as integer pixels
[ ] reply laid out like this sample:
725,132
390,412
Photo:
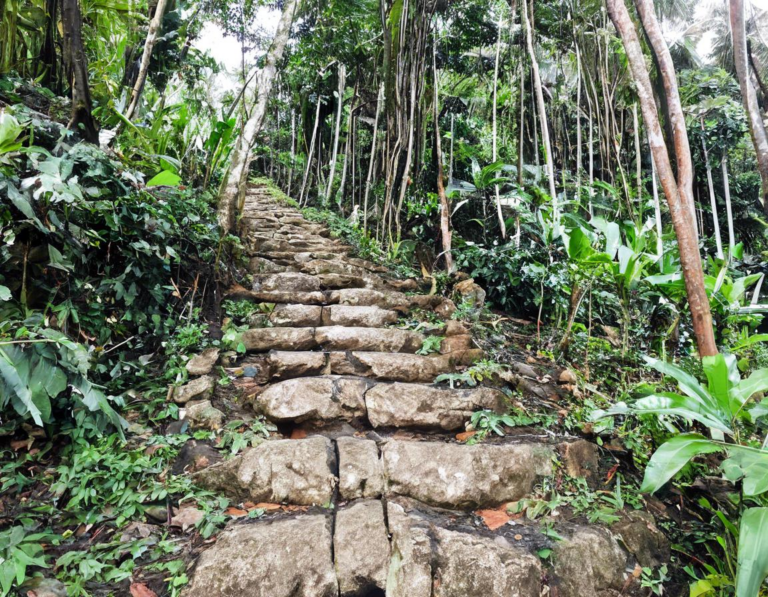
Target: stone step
441,474
366,297
409,368
404,549
325,399
344,315
332,338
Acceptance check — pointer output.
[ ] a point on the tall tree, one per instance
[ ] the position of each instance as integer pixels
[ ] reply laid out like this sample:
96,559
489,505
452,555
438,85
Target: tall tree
77,68
748,94
149,44
233,185
682,216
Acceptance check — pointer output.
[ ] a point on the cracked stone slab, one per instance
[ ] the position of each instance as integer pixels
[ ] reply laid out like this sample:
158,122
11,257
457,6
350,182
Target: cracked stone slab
360,470
288,471
361,548
284,558
363,297
296,316
314,399
408,368
286,364
461,476
429,407
291,339
340,338
358,316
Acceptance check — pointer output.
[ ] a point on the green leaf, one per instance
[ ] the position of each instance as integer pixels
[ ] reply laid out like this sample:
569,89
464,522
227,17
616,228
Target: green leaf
753,552
5,293
166,178
757,382
10,129
754,468
723,374
672,456
9,372
687,382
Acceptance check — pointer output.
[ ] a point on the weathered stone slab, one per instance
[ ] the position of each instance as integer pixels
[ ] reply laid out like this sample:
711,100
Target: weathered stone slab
340,338
360,469
589,562
203,364
266,339
285,282
314,399
353,316
283,471
409,368
286,365
284,558
417,405
366,297
361,548
461,476
197,389
296,316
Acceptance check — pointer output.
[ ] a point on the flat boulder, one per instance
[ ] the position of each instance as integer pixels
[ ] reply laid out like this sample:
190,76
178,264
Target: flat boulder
360,469
315,399
461,476
296,316
285,282
197,389
279,471
287,557
286,364
357,316
408,368
266,339
361,548
588,562
203,364
362,297
429,407
340,338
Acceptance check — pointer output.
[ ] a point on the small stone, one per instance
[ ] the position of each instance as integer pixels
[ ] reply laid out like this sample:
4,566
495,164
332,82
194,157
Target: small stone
455,344
588,563
250,372
197,389
455,328
44,587
643,539
581,459
567,376
471,293
202,415
445,309
203,364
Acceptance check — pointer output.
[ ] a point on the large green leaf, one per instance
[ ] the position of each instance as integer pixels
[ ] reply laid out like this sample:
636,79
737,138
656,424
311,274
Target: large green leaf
672,456
166,178
722,374
753,465
757,382
9,370
753,552
688,384
10,129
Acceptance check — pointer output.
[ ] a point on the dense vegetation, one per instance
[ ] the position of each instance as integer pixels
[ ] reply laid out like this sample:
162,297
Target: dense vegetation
605,183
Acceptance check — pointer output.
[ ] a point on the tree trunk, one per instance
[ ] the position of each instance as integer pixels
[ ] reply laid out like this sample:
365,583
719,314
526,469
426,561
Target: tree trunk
149,44
74,56
682,217
541,108
311,151
445,206
339,110
682,149
502,225
233,186
369,178
728,210
712,201
748,95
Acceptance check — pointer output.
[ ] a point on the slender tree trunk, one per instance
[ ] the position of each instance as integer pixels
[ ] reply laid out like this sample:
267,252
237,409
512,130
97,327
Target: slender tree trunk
748,94
541,108
372,161
311,152
74,54
682,149
232,191
728,210
712,200
682,217
657,211
450,161
578,123
293,151
502,225
638,164
445,206
149,44
339,110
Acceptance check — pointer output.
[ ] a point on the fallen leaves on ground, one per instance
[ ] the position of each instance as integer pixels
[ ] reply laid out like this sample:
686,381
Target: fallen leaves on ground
494,519
187,517
141,590
462,437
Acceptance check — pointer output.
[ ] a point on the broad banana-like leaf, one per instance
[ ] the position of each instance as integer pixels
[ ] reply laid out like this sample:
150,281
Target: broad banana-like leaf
688,384
672,456
672,405
757,382
753,466
723,376
753,552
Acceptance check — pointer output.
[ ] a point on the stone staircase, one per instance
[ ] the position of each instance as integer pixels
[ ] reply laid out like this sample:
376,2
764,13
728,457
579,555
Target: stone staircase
379,496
